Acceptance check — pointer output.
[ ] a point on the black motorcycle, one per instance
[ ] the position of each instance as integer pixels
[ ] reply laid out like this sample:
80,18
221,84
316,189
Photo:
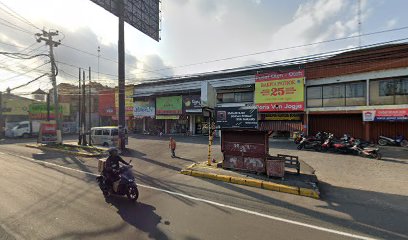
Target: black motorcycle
310,144
126,184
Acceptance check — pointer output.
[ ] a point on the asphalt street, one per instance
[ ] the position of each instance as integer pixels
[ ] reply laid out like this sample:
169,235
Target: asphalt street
52,196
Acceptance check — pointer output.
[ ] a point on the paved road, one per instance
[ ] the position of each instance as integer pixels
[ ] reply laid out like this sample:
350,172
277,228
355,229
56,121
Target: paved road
43,198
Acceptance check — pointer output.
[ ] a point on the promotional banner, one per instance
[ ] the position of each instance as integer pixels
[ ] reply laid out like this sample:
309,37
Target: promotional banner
16,106
128,100
48,132
386,115
192,104
280,91
144,109
237,117
38,111
169,105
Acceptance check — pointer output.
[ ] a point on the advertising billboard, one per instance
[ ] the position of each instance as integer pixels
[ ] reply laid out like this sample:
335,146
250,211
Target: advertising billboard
144,109
128,100
169,105
48,132
386,115
16,106
280,91
236,117
38,111
192,104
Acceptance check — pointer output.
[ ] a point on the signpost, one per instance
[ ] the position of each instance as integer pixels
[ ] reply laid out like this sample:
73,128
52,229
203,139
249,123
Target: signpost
280,91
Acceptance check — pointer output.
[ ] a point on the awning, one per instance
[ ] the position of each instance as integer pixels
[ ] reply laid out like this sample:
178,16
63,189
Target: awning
290,126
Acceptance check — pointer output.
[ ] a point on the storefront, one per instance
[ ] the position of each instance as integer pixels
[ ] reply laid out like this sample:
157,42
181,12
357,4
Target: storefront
143,111
385,122
169,112
193,114
279,97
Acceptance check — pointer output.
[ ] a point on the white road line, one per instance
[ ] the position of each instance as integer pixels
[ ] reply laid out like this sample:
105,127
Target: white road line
323,229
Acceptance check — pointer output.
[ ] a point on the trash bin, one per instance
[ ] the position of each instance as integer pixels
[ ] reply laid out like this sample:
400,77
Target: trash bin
275,166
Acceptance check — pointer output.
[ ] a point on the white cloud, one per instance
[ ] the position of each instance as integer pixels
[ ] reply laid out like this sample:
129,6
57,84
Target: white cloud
391,23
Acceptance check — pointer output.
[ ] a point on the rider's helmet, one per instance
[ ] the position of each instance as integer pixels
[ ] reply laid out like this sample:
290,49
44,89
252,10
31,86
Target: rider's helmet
112,149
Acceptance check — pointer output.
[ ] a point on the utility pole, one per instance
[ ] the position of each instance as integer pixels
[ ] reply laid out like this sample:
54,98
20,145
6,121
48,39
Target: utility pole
89,107
1,116
121,78
80,111
48,106
83,117
47,38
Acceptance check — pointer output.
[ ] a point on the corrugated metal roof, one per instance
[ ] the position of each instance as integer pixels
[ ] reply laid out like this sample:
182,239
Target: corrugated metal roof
232,81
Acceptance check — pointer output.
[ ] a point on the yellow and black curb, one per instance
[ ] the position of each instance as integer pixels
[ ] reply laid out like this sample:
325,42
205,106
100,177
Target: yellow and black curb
254,183
79,154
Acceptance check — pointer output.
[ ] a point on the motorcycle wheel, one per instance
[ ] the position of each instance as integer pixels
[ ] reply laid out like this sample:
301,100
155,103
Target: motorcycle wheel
299,147
404,143
318,148
133,193
382,142
377,156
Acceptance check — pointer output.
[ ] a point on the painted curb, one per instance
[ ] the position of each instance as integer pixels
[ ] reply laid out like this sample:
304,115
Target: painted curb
306,192
90,155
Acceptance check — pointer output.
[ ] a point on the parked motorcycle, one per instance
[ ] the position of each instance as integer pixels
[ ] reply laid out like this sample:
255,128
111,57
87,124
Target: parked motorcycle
127,185
344,145
398,141
370,152
310,144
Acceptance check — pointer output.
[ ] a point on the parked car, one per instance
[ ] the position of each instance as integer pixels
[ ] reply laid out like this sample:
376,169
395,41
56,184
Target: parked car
107,136
26,129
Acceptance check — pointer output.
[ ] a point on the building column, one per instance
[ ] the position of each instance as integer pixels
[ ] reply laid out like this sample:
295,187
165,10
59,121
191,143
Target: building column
306,123
165,126
192,125
368,92
367,131
144,123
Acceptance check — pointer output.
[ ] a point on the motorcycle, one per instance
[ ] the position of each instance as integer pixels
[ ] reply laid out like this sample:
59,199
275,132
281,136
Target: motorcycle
126,184
371,152
310,144
344,145
398,141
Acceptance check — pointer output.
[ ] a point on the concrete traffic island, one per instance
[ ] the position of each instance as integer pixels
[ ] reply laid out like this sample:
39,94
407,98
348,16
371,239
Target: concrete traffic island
303,184
71,149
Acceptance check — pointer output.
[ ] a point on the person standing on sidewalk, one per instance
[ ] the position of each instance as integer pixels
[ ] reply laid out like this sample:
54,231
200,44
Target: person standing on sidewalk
172,146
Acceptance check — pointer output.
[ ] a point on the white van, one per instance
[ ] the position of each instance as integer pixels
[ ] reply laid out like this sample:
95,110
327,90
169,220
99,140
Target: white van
107,136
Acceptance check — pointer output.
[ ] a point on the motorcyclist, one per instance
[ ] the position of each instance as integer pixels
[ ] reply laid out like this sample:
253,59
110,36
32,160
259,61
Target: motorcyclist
112,166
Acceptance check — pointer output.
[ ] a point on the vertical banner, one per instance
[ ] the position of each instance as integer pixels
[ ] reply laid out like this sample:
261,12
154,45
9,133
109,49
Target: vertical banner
280,91
128,100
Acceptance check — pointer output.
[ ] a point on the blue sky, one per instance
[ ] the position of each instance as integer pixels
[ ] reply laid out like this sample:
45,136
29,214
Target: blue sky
194,31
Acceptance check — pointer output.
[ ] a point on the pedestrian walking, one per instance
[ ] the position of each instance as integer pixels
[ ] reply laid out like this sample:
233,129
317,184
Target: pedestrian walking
172,146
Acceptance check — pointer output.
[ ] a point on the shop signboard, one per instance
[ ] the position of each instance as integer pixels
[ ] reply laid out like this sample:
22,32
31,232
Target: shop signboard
280,91
386,115
38,111
192,104
128,100
169,105
144,109
236,117
169,117
281,117
48,132
16,106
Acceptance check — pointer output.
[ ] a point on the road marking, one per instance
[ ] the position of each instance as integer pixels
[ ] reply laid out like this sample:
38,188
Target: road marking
323,229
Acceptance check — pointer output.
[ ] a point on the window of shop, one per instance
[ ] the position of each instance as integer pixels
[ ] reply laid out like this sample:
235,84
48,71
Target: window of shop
334,95
233,97
178,126
389,91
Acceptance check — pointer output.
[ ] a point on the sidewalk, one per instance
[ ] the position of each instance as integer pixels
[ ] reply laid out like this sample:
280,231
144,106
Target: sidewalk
304,184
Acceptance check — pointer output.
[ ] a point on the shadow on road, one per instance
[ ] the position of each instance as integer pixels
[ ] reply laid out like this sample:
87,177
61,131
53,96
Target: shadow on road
139,215
379,220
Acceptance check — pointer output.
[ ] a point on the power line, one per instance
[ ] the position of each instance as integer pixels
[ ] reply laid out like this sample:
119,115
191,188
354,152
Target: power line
18,16
25,84
25,73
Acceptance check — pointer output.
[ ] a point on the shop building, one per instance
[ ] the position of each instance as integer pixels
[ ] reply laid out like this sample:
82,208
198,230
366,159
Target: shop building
341,89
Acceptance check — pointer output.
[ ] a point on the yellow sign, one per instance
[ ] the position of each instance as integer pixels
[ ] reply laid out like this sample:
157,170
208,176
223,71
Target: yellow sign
277,91
128,100
18,106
